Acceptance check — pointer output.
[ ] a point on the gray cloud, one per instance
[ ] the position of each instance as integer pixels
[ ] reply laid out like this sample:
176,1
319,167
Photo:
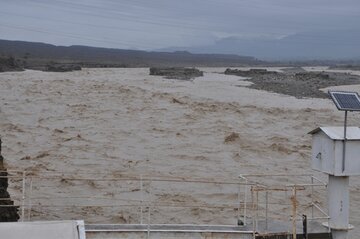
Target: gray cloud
144,24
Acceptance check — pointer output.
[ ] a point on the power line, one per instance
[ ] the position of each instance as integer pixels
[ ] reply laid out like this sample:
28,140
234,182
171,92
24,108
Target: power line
88,10
167,22
70,35
91,25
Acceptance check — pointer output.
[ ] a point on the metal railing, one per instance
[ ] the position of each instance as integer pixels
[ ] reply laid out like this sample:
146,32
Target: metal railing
299,205
147,199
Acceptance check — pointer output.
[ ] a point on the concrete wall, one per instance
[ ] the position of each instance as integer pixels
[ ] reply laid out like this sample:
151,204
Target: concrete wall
41,230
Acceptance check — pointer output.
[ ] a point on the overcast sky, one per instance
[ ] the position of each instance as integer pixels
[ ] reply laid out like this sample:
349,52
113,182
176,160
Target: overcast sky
154,24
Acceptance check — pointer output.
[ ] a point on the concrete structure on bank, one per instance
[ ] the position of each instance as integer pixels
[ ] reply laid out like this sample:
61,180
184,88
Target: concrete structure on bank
43,230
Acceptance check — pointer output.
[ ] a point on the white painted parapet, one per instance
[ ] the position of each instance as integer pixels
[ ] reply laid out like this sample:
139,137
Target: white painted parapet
43,230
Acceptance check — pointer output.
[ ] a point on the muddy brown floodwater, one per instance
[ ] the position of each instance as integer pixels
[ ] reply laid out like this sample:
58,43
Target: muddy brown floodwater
123,121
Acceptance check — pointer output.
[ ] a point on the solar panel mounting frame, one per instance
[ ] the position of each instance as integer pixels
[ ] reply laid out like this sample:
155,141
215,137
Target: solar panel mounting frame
337,96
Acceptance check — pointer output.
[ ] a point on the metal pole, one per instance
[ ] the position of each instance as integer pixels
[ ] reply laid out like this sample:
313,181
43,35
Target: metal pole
238,203
245,200
142,199
266,210
30,202
312,197
253,210
344,148
305,235
257,209
294,212
148,226
23,197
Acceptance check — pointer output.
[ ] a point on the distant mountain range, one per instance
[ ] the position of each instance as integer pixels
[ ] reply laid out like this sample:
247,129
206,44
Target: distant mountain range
320,48
324,45
34,55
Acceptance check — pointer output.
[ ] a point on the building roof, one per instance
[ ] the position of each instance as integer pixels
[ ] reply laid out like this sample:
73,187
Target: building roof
337,133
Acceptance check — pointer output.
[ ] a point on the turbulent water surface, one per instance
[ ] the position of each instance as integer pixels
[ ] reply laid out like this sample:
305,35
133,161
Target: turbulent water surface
123,121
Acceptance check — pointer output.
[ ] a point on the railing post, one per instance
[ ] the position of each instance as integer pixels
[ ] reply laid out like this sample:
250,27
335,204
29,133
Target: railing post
245,197
245,200
312,197
304,220
238,203
23,196
253,209
294,202
257,210
149,211
141,199
148,226
30,202
266,209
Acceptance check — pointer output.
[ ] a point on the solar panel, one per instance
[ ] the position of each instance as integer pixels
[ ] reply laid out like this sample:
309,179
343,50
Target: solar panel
344,100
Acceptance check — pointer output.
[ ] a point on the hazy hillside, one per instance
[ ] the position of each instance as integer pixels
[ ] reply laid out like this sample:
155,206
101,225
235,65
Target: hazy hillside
38,54
320,45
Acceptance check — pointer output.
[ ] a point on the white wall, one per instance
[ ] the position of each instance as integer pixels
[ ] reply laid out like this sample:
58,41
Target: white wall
41,230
